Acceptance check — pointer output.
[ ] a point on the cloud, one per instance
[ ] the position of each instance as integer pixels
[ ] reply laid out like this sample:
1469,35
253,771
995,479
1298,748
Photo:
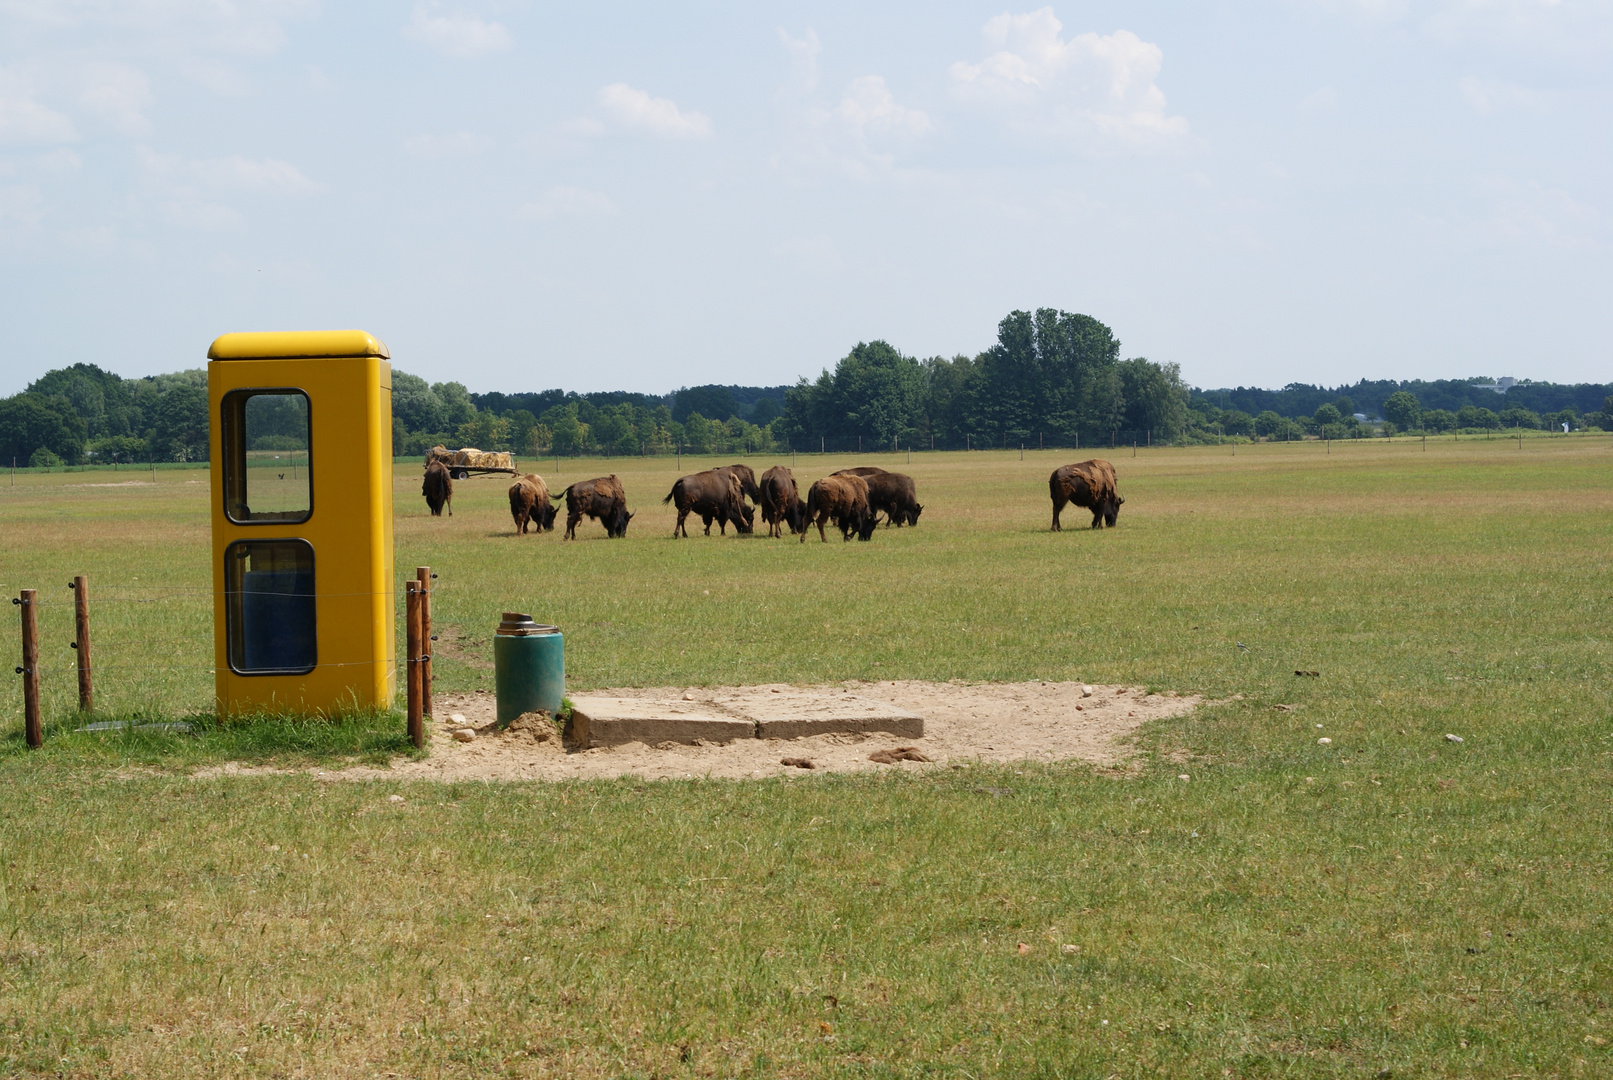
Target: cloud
1486,96
26,122
23,121
462,37
636,110
21,203
856,135
869,110
1324,100
189,191
1090,88
567,202
459,144
197,182
266,176
803,62
239,26
859,134
118,95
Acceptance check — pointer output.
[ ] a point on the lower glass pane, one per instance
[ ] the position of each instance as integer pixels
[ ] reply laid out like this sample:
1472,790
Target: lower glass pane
269,606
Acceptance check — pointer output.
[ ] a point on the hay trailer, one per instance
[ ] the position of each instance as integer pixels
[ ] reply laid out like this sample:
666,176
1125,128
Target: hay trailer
462,464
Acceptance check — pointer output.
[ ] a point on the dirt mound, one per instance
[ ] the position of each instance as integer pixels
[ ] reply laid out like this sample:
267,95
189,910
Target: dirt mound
963,722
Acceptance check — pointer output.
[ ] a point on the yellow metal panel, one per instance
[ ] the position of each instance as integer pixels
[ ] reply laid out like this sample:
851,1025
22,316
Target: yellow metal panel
296,345
350,530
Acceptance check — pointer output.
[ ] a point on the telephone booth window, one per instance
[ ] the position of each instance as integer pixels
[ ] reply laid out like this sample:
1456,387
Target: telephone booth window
269,607
267,478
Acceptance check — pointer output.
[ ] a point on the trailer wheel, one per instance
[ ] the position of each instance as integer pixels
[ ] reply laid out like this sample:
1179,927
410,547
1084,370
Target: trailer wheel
461,474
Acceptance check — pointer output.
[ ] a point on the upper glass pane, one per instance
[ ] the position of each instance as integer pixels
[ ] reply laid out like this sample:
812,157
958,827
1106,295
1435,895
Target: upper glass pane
266,456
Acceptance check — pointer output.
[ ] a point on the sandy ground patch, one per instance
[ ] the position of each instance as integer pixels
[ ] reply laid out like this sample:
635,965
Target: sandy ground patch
974,722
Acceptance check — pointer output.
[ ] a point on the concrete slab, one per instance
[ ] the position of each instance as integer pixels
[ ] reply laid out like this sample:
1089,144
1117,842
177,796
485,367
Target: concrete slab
605,721
786,714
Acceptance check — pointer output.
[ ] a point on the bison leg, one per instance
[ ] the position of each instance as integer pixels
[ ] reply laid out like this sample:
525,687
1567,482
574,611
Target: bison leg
1058,508
572,519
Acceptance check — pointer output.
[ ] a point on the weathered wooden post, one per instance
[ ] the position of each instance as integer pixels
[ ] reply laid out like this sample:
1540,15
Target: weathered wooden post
81,627
417,726
33,730
423,575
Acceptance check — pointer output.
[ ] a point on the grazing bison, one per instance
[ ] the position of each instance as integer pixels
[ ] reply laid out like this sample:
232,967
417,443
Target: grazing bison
781,502
530,503
1089,484
844,500
601,498
438,489
746,478
715,493
892,492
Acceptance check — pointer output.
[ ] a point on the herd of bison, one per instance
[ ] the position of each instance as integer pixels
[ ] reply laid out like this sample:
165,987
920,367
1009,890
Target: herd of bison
851,500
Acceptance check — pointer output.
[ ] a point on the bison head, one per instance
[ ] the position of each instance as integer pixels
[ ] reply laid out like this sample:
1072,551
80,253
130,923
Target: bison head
1111,512
913,514
865,525
548,517
616,524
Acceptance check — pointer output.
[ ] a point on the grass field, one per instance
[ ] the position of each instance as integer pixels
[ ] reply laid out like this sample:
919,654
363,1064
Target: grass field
1392,901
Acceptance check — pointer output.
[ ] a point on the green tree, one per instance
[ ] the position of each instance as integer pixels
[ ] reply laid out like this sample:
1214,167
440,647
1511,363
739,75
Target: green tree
417,405
765,411
1327,414
698,434
1401,410
179,432
457,407
1267,422
30,421
713,402
1155,398
1438,420
1236,422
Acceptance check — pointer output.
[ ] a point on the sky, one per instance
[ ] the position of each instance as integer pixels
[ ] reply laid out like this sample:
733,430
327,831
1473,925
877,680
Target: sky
644,196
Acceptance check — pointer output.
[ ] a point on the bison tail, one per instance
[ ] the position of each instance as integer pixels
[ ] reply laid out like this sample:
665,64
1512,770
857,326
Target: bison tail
670,495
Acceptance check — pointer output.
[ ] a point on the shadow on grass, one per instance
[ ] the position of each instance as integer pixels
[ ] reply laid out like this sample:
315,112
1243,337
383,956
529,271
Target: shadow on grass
368,736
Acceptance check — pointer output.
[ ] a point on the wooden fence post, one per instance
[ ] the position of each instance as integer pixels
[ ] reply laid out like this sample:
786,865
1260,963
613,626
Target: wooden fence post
417,726
32,728
424,575
81,626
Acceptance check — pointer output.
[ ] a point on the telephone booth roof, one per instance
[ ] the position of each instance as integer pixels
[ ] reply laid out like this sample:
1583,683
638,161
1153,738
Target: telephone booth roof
297,345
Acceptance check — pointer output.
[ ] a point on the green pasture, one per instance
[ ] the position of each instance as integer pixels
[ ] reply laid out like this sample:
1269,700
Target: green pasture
1391,904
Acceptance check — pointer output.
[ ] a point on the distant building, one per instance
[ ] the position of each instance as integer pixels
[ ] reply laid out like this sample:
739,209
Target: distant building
1500,386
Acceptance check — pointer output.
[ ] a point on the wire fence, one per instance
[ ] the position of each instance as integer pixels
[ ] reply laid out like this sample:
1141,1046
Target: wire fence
145,663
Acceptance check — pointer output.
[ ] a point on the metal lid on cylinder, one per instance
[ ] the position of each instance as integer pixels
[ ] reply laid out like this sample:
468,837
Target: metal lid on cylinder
516,624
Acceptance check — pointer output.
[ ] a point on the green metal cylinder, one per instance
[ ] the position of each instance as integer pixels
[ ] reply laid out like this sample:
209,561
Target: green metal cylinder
529,667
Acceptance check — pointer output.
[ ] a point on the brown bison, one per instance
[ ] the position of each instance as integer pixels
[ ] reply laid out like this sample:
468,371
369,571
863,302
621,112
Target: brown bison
892,492
601,498
438,489
844,500
781,502
1089,484
746,478
715,493
530,504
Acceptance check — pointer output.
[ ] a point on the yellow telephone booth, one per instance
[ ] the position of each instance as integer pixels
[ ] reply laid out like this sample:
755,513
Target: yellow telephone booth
301,464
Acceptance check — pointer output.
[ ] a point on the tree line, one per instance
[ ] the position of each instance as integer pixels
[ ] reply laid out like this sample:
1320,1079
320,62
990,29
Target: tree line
1051,378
